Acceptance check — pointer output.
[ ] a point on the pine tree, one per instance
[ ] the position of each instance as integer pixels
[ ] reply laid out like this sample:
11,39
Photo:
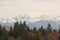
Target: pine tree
24,24
4,30
15,26
0,27
40,29
16,29
49,28
20,22
1,32
11,31
5,34
34,29
54,31
59,30
28,29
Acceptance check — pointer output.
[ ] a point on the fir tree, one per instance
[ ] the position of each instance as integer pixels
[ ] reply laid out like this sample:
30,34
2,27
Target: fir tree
49,28
59,30
34,29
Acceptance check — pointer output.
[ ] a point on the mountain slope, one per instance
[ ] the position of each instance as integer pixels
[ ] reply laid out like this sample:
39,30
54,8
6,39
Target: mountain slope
32,22
38,24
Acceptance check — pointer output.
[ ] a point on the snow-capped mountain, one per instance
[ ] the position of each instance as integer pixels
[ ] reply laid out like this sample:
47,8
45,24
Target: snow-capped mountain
6,22
32,22
23,18
38,24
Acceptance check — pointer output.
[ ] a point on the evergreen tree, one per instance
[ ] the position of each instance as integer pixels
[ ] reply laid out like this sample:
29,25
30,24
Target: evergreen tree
5,34
40,29
10,32
15,33
4,30
24,24
28,29
34,29
0,27
1,32
54,31
49,28
11,29
59,30
20,24
16,26
43,32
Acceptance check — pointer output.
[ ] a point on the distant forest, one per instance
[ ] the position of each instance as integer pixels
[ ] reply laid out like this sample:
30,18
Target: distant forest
21,31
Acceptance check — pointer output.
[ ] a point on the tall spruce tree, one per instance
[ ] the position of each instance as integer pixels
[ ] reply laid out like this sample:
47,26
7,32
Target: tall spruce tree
5,34
0,27
16,26
11,31
40,29
59,30
49,28
1,32
24,24
34,29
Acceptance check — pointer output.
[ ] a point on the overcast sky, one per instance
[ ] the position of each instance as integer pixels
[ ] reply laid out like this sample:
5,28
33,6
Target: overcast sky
33,8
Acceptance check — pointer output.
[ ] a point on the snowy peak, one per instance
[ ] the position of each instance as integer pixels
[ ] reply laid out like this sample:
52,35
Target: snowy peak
29,19
23,18
57,18
35,21
44,17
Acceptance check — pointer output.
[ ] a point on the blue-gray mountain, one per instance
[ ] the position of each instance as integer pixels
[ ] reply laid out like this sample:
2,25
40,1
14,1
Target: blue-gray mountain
32,22
44,23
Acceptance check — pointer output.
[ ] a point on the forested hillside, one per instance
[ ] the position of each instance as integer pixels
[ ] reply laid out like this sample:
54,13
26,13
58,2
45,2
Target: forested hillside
21,31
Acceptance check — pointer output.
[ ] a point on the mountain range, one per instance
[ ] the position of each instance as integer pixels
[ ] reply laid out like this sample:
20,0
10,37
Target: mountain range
32,22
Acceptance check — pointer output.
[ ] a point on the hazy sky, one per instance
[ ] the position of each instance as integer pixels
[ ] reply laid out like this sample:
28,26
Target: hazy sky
33,8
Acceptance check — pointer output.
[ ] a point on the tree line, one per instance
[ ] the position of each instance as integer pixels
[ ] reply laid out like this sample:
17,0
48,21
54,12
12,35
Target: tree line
21,31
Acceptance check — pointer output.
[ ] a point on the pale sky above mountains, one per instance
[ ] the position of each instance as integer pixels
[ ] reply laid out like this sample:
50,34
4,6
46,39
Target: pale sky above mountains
33,8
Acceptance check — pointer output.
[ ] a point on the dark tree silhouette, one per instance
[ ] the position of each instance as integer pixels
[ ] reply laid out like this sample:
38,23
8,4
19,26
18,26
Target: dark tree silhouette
34,29
21,31
40,29
59,30
49,28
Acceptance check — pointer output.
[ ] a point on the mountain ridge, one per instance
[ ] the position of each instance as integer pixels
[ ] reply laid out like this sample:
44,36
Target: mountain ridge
36,22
